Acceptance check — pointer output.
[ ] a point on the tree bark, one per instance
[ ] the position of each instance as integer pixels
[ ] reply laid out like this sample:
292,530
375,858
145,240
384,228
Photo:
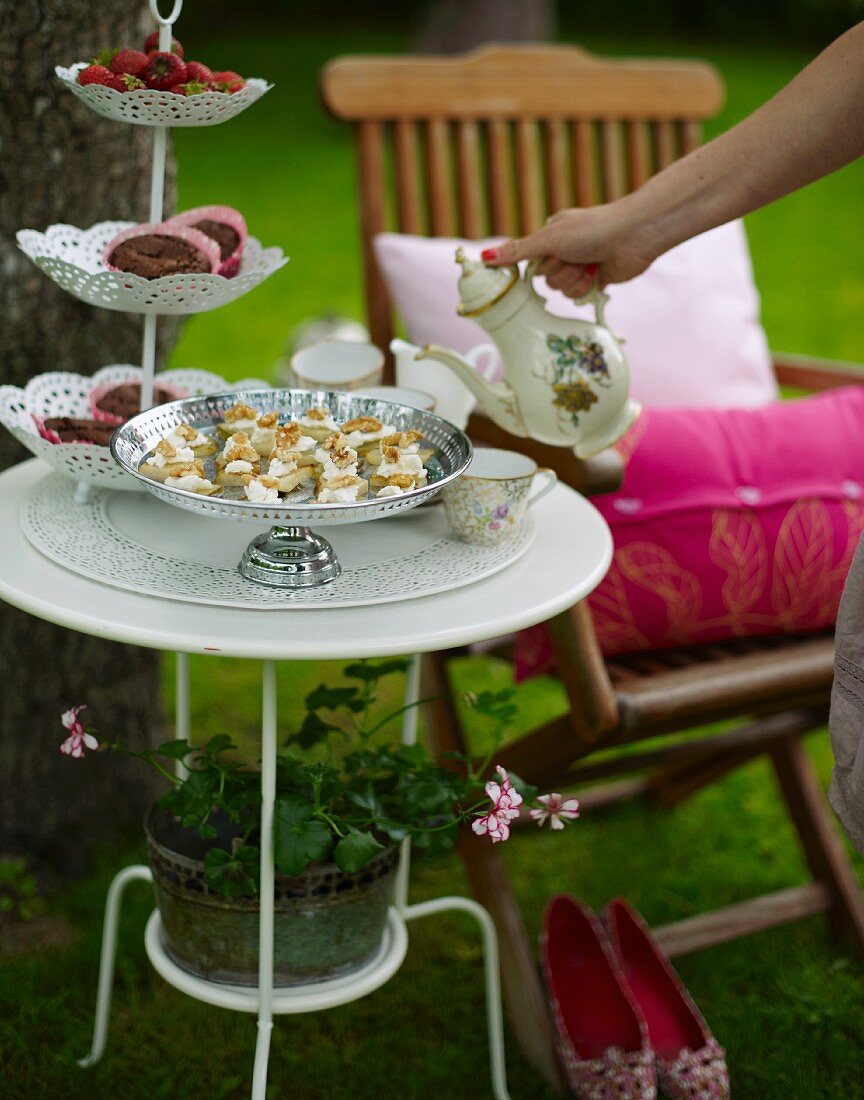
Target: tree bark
453,26
60,162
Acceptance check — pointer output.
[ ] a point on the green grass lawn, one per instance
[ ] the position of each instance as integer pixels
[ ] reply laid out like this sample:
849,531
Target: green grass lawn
787,1004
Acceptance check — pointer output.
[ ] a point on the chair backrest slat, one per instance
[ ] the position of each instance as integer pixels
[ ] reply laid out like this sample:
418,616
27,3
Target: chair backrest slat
493,141
409,202
638,156
584,162
691,136
531,205
558,192
501,197
438,178
469,179
664,143
612,159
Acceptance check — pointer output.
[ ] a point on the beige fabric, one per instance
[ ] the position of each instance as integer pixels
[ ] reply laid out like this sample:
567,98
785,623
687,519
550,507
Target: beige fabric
847,706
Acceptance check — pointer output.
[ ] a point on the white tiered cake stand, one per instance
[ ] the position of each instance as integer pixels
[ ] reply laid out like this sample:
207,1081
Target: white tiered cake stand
72,256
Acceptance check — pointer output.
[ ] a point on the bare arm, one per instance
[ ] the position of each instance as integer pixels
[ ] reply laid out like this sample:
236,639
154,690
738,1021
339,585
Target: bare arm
810,128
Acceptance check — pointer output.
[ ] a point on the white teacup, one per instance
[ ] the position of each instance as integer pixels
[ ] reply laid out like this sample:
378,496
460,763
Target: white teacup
402,396
488,502
337,365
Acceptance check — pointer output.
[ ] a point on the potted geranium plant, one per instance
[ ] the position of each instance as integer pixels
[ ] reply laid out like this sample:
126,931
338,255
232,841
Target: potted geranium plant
344,800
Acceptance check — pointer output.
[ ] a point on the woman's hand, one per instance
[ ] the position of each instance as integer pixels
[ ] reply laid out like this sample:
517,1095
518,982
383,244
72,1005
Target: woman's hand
580,246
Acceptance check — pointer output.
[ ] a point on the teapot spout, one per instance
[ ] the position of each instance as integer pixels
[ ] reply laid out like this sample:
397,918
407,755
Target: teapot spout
496,399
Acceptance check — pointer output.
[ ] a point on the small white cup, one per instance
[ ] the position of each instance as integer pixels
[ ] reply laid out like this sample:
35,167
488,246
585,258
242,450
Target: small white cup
337,365
402,396
488,502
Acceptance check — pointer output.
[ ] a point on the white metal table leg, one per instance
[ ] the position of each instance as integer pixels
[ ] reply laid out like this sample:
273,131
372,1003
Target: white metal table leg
266,887
494,1014
409,737
182,724
136,873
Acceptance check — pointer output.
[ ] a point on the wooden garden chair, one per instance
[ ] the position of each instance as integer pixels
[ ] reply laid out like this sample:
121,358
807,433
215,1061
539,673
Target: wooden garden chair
491,143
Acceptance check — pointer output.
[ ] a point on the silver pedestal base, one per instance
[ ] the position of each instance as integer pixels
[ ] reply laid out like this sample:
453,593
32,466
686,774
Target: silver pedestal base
289,557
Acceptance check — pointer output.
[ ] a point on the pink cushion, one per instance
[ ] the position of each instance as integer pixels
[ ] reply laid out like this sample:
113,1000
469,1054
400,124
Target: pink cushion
729,523
691,322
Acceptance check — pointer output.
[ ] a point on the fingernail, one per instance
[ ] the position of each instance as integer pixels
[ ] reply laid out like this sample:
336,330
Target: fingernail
591,269
488,254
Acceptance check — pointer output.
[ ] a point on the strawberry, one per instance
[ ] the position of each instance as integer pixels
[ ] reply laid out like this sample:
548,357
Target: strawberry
152,45
96,74
164,70
127,82
228,81
196,71
191,87
133,62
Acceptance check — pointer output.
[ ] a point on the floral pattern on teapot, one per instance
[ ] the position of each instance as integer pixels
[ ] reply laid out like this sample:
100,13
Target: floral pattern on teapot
573,359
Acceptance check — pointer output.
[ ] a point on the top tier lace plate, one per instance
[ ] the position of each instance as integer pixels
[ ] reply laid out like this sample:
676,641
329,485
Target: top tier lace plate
73,259
147,107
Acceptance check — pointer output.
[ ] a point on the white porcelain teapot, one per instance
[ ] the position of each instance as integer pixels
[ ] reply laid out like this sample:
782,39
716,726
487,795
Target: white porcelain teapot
566,381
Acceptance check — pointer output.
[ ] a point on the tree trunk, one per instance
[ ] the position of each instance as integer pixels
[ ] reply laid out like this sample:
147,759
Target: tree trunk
62,163
453,26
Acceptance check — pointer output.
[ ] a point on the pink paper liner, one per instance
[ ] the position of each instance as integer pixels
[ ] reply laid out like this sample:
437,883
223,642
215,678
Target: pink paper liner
195,237
109,418
228,216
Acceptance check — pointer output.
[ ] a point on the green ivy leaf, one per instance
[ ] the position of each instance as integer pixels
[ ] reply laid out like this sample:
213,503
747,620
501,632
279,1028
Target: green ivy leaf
497,705
232,876
355,850
313,731
298,839
218,744
369,673
366,799
333,698
174,750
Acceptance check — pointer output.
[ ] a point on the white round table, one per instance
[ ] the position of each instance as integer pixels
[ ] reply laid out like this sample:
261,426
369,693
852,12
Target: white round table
571,552
569,556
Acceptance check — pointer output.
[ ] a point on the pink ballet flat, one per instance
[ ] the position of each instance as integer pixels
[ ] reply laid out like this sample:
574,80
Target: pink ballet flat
602,1038
690,1063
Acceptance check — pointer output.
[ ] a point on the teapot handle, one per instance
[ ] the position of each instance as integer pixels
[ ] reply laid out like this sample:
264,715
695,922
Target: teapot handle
594,295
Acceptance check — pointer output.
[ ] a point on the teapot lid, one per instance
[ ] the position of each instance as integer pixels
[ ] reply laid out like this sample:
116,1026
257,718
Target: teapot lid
480,286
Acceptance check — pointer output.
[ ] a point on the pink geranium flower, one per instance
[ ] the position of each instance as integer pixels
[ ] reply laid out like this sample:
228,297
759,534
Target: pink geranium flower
506,801
79,737
556,809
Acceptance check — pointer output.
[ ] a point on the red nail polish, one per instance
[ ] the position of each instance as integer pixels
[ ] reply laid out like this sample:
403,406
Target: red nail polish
591,269
488,254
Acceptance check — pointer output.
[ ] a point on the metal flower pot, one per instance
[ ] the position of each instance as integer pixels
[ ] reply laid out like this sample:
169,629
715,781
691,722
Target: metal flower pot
327,923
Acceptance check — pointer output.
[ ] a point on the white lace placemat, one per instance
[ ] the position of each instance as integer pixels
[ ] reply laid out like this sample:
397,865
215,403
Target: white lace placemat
136,542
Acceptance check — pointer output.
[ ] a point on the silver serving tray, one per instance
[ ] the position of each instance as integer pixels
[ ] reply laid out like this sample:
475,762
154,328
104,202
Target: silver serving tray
291,555
133,442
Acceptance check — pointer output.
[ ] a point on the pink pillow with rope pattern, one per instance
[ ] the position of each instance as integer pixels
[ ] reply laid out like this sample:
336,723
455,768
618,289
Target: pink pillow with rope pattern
730,522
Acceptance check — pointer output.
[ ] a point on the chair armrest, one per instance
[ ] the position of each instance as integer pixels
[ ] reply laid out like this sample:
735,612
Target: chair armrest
811,373
603,473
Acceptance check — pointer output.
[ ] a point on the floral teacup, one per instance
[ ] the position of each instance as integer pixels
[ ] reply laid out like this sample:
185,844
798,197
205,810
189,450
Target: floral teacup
487,503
